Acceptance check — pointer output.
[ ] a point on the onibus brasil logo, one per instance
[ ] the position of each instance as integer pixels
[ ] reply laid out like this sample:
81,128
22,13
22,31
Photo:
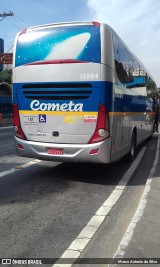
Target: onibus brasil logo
71,106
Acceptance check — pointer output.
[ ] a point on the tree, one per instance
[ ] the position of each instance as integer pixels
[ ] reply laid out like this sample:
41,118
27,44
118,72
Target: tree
151,88
5,89
5,76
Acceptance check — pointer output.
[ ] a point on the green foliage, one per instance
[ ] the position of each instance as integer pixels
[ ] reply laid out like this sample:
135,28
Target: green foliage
151,88
5,76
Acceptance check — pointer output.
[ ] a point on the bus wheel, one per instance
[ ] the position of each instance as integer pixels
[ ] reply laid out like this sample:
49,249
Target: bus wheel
131,154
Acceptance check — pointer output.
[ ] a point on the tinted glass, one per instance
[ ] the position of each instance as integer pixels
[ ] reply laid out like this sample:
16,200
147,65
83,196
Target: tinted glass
67,42
128,69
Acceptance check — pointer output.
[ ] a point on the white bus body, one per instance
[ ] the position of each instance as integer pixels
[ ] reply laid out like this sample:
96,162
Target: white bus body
79,94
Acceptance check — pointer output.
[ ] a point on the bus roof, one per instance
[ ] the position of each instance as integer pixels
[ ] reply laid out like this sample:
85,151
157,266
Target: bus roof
65,24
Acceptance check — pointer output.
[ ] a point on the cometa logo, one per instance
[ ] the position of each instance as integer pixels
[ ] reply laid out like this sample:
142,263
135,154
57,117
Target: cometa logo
71,106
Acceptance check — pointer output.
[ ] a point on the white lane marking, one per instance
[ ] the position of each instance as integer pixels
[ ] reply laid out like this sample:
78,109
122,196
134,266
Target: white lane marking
78,245
139,212
19,167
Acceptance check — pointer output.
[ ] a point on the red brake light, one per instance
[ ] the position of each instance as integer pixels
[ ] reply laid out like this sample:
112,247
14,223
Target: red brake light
57,61
101,121
20,146
17,126
94,151
95,23
102,127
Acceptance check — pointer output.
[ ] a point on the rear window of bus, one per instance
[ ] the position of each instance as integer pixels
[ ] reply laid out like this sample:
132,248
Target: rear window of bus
59,43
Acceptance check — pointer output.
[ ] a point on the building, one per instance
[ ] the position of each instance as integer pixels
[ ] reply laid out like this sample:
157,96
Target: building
7,67
1,51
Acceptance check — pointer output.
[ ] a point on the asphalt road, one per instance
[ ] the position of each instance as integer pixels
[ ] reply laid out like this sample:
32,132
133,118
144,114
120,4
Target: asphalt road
44,206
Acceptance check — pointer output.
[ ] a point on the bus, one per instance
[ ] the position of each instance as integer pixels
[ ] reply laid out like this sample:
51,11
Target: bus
80,95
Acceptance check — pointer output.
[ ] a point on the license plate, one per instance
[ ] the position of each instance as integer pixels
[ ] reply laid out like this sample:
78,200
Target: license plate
55,151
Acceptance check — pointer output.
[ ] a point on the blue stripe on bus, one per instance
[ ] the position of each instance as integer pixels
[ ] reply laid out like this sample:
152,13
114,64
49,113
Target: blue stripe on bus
101,93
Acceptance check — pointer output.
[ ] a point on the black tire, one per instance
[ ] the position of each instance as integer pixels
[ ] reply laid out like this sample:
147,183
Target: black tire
131,155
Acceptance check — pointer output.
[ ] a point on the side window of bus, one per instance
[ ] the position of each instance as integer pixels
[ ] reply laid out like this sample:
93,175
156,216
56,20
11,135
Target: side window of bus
121,61
133,67
116,49
124,57
138,74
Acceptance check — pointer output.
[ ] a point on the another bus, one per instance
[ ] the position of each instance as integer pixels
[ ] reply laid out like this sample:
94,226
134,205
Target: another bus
80,95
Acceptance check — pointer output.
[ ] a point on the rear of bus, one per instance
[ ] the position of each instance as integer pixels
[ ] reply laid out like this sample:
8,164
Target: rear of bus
60,110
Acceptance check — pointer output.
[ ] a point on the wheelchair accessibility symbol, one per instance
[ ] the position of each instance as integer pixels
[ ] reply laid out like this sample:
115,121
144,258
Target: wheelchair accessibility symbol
42,118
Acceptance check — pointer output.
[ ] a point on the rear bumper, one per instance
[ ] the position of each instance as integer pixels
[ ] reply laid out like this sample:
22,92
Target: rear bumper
72,152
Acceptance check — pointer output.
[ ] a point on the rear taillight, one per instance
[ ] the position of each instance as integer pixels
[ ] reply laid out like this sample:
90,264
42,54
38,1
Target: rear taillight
102,127
17,126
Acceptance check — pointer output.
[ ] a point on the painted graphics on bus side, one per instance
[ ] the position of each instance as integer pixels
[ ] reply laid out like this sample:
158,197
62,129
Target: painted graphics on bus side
71,106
